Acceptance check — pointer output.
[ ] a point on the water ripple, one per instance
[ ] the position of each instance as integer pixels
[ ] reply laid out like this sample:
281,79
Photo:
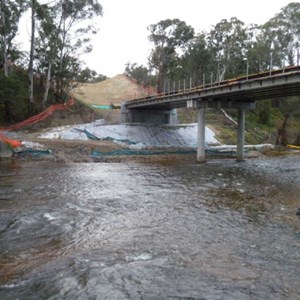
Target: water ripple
172,230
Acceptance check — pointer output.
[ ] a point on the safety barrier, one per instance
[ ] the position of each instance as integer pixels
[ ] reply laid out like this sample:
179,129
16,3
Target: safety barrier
11,142
32,120
39,117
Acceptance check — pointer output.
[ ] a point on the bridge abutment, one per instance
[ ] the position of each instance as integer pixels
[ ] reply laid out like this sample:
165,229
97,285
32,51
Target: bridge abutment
148,116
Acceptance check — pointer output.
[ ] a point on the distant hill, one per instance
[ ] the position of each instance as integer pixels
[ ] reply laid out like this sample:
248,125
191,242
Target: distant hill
115,90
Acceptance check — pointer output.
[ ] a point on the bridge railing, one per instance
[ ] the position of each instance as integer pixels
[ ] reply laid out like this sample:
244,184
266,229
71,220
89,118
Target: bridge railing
182,86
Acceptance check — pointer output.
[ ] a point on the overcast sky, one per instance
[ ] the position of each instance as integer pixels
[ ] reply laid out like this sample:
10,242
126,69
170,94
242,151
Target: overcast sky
123,34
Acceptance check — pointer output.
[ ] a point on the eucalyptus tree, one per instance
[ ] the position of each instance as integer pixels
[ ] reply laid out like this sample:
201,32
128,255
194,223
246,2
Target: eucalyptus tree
286,30
266,53
47,43
170,38
32,5
276,46
197,62
65,33
75,19
278,42
11,87
286,26
87,75
140,73
227,40
10,13
258,49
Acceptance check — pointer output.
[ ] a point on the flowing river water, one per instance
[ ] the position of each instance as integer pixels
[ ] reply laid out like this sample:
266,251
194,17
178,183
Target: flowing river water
155,230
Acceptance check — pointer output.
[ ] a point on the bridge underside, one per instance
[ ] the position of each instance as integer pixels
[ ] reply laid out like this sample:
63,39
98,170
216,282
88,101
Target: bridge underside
149,116
167,115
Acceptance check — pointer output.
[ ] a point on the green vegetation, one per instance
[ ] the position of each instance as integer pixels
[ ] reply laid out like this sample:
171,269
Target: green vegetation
61,30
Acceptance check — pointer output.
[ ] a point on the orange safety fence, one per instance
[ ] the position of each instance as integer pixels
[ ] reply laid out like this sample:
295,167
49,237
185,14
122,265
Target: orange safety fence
32,120
39,117
11,142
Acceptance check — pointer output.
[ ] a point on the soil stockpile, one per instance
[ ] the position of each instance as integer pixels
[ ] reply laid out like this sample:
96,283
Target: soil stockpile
110,91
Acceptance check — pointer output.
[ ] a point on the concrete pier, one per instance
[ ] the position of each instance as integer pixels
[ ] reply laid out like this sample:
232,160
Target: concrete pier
201,134
240,134
242,108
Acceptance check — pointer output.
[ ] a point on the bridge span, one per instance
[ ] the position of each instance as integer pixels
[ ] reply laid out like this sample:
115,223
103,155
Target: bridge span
239,93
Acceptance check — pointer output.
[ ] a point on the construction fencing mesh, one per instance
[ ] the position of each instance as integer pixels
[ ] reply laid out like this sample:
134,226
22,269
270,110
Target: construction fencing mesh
32,120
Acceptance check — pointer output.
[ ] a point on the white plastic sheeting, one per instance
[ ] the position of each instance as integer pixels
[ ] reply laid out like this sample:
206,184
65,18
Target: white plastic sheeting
141,136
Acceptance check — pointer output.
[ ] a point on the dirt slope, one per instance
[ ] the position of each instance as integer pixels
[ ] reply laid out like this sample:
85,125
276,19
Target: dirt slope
111,91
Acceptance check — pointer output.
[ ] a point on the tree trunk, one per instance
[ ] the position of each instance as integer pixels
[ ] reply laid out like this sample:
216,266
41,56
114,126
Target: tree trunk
60,72
47,85
2,4
282,135
30,68
57,90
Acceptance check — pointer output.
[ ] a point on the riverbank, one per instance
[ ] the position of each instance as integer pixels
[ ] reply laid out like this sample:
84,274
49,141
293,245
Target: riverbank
100,142
73,151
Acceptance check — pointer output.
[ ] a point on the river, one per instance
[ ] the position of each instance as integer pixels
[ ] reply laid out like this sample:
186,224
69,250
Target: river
154,230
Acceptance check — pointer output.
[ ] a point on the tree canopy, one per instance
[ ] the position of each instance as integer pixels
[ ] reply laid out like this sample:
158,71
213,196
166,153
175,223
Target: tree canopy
229,49
61,30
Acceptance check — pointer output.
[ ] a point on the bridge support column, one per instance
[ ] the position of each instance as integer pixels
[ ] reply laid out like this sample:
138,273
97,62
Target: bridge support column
242,107
201,133
240,134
